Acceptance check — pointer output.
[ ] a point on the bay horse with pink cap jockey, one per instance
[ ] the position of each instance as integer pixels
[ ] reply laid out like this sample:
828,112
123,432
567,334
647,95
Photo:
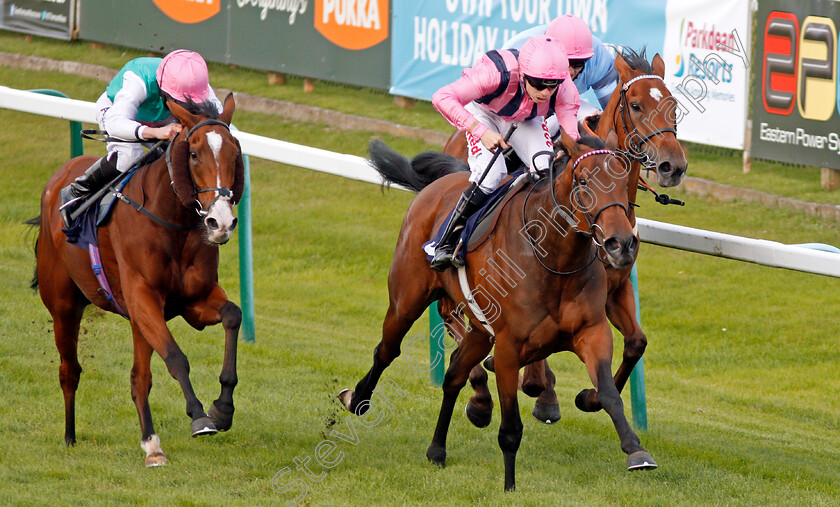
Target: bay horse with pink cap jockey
132,112
505,88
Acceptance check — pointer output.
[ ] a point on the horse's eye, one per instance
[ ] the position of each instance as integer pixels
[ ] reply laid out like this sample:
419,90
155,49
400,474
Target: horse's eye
193,155
635,107
582,182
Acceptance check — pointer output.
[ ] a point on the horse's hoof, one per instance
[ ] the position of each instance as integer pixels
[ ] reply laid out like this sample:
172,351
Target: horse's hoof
222,420
203,426
478,418
157,459
548,413
640,460
489,364
582,403
346,396
437,455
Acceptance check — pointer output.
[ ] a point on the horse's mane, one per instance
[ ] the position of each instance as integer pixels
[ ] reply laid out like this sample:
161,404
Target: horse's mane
637,60
206,108
591,141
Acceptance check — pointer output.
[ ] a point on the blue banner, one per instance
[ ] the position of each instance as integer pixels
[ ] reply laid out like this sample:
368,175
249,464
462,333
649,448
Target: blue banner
434,40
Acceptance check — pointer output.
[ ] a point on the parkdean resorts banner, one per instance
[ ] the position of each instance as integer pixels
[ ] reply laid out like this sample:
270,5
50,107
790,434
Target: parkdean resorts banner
795,96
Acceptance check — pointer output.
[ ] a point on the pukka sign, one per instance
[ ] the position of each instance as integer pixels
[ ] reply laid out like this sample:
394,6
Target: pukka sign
352,24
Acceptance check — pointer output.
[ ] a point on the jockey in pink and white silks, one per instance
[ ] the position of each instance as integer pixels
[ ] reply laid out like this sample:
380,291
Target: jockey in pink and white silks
502,88
133,108
591,64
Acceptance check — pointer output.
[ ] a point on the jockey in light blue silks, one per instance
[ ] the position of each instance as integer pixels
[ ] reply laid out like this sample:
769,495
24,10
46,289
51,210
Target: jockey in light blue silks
591,64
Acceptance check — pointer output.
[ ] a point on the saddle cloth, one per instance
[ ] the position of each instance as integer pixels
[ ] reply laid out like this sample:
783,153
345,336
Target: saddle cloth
481,224
83,231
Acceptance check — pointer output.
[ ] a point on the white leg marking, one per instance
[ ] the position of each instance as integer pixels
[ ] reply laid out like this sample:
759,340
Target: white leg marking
154,453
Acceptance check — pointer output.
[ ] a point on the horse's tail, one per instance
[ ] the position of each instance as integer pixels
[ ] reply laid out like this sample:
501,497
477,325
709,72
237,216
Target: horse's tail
34,223
413,174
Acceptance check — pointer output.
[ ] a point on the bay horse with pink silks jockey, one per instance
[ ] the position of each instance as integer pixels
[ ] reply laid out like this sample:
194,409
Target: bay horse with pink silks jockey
550,308
642,112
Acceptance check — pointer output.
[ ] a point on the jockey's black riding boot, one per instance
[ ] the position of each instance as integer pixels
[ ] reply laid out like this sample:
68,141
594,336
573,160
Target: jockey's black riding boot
444,252
101,172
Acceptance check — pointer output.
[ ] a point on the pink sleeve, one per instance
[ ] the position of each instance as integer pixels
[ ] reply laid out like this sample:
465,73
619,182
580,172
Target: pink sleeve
566,107
475,82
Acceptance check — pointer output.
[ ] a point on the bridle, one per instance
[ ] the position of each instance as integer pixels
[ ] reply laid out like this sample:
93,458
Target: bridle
224,192
627,121
577,205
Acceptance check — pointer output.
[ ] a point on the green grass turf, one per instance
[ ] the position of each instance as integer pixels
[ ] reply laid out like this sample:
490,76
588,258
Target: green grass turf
740,369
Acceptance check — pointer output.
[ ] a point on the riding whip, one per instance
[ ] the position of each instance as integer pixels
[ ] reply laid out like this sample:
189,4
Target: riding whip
474,188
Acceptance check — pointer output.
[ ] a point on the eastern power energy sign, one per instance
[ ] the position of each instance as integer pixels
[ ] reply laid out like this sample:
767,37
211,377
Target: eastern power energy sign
795,99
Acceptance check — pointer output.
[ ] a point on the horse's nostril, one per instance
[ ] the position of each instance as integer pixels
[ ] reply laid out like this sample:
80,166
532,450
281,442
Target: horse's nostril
612,245
633,244
233,224
665,168
212,224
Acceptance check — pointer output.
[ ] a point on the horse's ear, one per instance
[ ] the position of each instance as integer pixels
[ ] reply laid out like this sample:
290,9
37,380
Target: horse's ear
624,71
569,144
611,141
229,106
658,66
239,174
181,177
187,119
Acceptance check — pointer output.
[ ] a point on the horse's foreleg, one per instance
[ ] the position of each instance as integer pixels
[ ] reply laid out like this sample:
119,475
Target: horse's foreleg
510,429
467,355
394,329
596,353
217,309
621,310
147,319
141,385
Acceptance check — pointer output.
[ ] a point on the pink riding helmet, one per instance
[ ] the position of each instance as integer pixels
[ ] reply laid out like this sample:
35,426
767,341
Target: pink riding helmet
544,58
574,34
183,75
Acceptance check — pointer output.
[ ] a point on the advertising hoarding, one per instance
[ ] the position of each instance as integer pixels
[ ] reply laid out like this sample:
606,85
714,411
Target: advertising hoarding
338,40
795,98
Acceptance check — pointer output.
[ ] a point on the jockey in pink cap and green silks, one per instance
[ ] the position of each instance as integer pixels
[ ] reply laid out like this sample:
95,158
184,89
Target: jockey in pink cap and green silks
133,108
505,87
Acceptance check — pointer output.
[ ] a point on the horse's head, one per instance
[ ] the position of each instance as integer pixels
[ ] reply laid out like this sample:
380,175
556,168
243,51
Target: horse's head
597,178
207,170
647,126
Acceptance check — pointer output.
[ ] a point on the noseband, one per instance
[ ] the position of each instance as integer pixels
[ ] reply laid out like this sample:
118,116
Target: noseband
224,192
577,205
627,120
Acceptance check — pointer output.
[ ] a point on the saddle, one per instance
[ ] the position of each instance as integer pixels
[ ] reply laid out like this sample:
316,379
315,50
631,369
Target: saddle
97,212
481,224
485,220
